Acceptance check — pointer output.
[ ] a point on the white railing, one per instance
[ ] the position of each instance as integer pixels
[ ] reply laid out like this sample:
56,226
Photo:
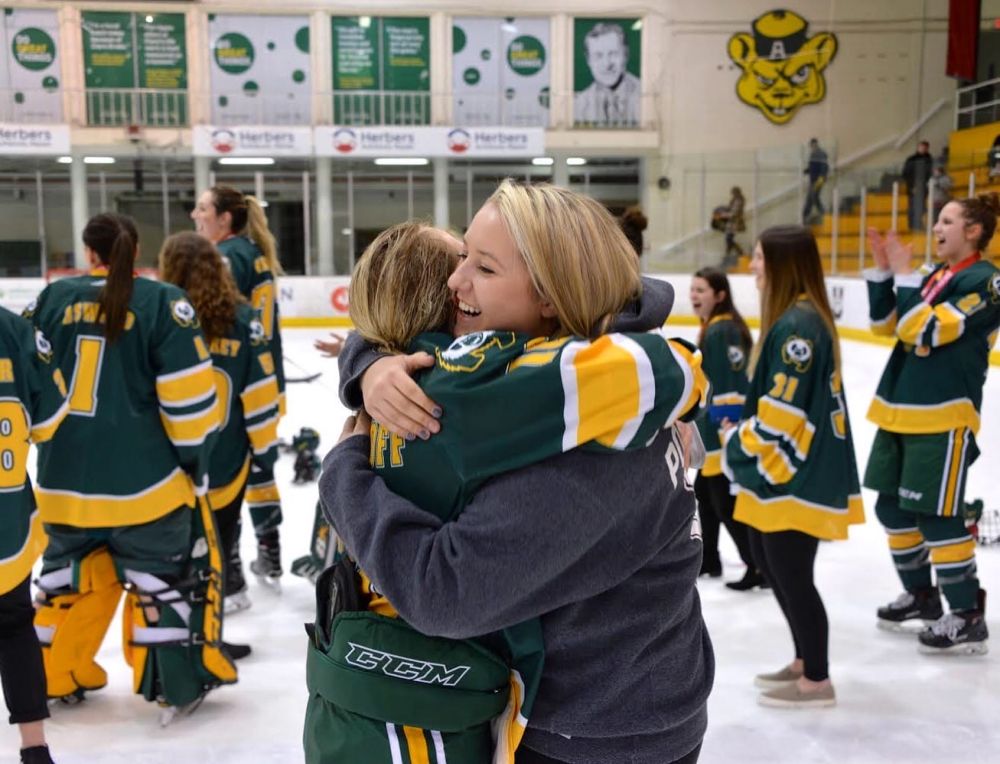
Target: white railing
977,104
110,107
381,107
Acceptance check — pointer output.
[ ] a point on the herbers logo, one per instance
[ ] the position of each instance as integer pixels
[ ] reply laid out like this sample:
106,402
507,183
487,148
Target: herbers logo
782,66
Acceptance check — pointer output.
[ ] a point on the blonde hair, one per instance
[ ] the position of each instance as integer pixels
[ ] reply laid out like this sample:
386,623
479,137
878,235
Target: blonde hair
247,213
792,268
192,262
577,256
399,287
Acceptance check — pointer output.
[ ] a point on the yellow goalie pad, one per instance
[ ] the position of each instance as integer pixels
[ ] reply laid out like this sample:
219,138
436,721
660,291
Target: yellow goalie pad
71,626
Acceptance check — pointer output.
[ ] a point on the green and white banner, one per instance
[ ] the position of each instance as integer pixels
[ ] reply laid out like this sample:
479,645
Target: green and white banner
501,71
29,67
607,75
133,52
260,70
381,70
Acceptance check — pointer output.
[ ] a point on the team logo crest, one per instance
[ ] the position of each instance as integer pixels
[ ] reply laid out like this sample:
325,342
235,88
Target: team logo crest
183,312
465,344
736,356
256,332
995,288
42,346
797,352
782,65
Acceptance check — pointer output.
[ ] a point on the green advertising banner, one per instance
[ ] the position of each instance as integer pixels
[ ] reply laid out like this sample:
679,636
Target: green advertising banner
607,84
125,51
381,70
29,66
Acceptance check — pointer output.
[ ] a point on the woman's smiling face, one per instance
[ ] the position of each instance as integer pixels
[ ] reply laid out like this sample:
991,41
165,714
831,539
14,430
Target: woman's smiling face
492,285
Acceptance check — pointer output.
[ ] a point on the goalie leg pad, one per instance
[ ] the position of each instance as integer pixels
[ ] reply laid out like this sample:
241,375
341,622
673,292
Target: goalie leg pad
75,607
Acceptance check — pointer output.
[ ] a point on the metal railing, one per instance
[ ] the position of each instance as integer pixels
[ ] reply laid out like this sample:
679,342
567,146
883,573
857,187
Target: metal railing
977,104
381,107
110,107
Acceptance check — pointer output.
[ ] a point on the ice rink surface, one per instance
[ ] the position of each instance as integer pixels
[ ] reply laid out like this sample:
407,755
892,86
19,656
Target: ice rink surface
895,705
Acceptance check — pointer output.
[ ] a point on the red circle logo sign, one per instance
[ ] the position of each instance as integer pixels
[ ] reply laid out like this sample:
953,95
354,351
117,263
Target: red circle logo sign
338,299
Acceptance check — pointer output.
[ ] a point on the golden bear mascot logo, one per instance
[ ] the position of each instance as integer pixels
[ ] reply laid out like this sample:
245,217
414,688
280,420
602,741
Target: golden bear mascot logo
782,66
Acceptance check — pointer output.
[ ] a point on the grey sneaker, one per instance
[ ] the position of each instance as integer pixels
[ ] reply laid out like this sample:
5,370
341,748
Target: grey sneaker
790,696
776,679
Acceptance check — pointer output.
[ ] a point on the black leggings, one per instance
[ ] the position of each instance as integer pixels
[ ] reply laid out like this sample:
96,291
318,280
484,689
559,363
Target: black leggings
228,521
21,668
715,503
786,558
527,756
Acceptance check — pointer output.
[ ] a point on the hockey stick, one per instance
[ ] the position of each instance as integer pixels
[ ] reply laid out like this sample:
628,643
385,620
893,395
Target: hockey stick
307,377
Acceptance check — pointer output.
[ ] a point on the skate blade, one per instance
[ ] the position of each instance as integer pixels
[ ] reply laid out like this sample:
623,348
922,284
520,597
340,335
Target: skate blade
911,627
170,714
965,648
270,582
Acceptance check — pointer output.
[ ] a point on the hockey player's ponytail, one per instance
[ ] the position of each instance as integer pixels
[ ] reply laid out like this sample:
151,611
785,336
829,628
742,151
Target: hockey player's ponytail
115,241
248,218
982,209
258,231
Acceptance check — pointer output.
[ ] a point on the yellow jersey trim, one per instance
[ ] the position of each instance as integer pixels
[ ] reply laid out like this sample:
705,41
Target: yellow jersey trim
790,513
107,511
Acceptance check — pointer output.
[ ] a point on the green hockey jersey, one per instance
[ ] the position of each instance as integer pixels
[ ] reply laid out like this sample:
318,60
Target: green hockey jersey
248,395
934,379
792,454
143,413
32,405
256,282
725,353
510,401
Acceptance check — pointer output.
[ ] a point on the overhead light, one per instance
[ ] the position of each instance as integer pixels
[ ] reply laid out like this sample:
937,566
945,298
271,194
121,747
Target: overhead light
575,161
542,161
364,21
98,160
637,25
248,161
346,231
509,28
65,160
402,161
149,19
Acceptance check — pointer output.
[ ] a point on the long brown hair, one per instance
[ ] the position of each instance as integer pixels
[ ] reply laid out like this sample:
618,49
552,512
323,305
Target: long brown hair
399,287
249,218
116,242
192,262
719,282
792,268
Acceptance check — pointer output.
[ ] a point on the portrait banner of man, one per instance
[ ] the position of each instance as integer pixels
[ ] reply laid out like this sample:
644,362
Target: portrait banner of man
607,75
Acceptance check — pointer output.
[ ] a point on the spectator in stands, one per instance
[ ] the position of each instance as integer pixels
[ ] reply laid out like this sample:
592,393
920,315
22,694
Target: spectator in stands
732,217
917,174
817,170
